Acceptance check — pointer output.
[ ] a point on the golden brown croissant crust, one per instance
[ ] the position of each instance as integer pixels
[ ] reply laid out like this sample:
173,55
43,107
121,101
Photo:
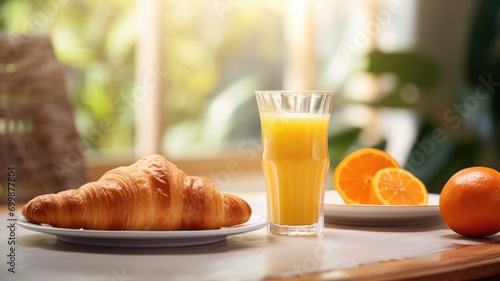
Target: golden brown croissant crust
151,194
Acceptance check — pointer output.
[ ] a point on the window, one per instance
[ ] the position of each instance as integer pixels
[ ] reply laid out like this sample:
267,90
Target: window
177,77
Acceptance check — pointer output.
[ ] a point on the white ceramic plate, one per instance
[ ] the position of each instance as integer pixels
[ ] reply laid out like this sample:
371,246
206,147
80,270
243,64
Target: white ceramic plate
145,238
336,211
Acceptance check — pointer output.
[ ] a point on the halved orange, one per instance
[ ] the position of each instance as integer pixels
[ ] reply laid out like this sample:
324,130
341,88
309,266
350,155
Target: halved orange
395,186
353,175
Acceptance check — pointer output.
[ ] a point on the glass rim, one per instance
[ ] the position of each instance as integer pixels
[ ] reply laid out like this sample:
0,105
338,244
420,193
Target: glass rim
295,92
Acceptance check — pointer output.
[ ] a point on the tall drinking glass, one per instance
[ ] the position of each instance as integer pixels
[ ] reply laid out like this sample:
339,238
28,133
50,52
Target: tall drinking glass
295,158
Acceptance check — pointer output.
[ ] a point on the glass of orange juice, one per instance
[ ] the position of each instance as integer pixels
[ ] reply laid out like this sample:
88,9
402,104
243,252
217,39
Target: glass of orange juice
295,158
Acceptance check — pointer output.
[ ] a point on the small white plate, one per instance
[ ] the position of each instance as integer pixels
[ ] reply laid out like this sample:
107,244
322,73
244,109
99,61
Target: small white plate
145,239
336,211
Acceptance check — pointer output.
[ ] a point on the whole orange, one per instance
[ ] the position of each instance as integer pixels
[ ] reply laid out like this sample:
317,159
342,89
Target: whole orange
470,202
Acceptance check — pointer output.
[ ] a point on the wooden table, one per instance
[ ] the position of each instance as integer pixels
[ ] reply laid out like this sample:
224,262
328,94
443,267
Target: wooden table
42,257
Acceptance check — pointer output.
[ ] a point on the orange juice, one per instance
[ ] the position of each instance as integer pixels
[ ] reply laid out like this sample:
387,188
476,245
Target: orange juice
295,160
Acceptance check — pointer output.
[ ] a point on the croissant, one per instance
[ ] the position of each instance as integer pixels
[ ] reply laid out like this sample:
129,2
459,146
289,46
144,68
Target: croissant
151,194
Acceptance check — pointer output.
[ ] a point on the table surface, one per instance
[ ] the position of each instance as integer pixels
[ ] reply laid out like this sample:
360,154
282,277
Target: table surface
258,255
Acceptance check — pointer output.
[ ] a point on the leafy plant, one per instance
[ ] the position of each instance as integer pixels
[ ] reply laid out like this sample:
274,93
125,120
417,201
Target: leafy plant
463,133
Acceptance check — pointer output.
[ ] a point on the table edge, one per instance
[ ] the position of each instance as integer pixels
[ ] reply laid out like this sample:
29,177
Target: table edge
463,263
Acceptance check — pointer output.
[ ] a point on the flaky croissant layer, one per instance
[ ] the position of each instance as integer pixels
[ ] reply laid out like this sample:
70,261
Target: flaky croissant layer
151,194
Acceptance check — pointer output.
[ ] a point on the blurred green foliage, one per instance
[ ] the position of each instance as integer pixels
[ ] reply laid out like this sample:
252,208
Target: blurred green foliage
469,126
215,60
209,52
93,39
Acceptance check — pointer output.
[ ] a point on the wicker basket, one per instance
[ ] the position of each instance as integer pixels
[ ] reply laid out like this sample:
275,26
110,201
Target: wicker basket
38,138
